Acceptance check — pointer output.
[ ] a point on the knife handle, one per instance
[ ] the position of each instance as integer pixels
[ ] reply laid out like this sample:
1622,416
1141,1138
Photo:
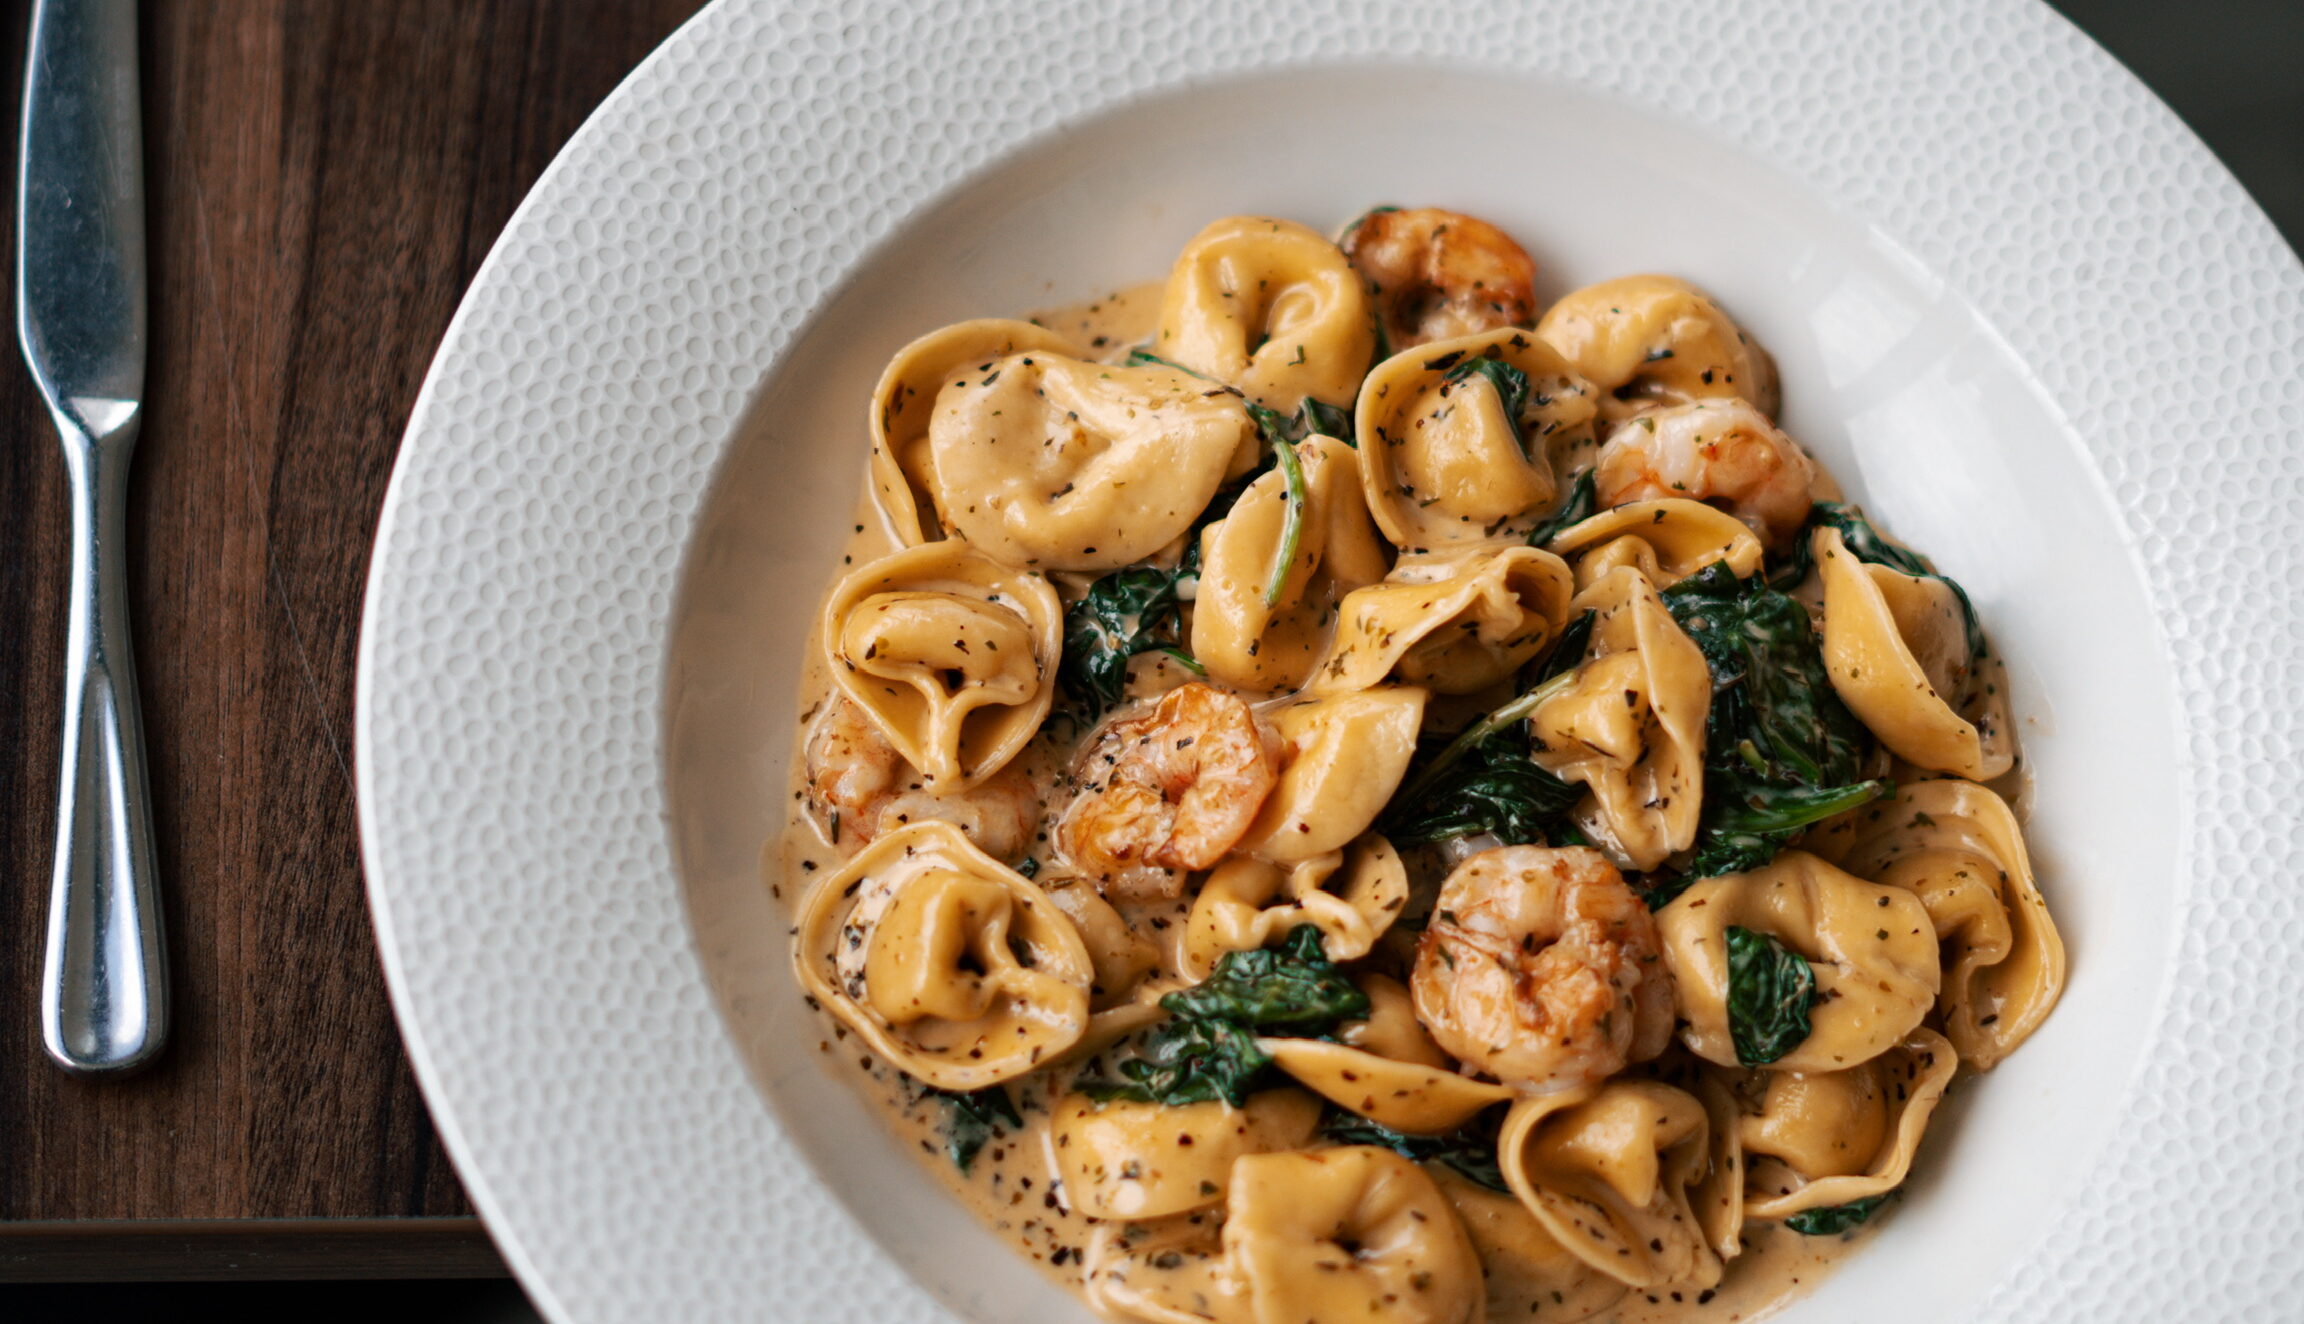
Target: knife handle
104,981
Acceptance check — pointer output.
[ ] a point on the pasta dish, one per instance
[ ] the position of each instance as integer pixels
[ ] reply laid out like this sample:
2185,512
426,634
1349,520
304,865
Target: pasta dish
1331,789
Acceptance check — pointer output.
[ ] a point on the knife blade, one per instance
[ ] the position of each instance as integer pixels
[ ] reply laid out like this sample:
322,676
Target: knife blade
80,318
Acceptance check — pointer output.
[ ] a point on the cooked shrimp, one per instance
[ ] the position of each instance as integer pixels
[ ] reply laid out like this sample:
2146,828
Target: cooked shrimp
1541,968
1722,452
1437,274
1165,789
860,788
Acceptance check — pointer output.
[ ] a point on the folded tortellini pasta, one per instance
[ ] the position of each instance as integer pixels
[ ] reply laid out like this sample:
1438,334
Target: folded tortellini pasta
1387,1068
1453,622
1055,463
1956,846
1341,757
1871,948
1896,647
903,482
951,654
1651,340
1120,956
1553,1286
1351,895
1458,436
1610,1172
1666,540
1815,1139
1346,1233
1241,638
949,964
1631,724
1122,1159
1271,307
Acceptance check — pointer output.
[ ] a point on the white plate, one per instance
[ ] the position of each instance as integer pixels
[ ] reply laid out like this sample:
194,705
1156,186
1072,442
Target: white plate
2018,308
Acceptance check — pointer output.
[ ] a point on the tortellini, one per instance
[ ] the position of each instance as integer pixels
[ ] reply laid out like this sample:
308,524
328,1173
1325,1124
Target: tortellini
1665,540
1341,757
1120,956
1650,340
1553,1286
1271,307
1122,1159
1056,463
1453,622
1956,846
1811,1140
1347,1233
1631,724
952,654
1609,1172
948,963
1242,639
903,485
1871,948
1896,647
1350,895
1458,436
1386,1068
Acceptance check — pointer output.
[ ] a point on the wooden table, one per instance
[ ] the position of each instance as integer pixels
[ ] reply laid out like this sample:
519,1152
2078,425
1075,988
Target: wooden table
325,178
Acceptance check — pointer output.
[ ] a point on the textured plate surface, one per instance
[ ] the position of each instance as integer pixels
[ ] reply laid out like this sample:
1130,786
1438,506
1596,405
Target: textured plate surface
514,664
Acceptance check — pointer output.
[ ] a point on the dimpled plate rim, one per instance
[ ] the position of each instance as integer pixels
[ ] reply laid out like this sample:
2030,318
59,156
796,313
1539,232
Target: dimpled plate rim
508,714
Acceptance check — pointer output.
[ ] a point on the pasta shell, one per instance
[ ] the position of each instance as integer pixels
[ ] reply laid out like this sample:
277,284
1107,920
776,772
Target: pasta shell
1631,725
1341,757
1452,622
1609,1171
1271,307
903,481
1826,1139
1406,1096
1123,1159
1649,340
1443,463
1347,1233
947,963
1895,646
1056,463
1872,949
951,654
1666,540
1239,637
1351,896
1956,846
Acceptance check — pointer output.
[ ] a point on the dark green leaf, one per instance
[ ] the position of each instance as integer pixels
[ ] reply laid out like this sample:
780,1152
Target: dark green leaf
1470,1149
969,1120
1130,611
1774,713
1293,988
1326,420
1746,822
1495,787
1190,1060
1770,989
1582,501
1510,383
1836,1218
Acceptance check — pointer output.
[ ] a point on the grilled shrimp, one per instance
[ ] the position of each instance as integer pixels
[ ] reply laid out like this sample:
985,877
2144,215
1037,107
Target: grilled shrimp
860,788
1723,452
1541,968
1166,788
1437,274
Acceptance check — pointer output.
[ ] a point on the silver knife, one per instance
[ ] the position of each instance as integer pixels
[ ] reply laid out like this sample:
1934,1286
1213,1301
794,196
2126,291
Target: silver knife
80,318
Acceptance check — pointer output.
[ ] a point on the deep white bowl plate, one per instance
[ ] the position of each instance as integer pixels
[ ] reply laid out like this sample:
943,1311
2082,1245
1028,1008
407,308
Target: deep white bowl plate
2018,309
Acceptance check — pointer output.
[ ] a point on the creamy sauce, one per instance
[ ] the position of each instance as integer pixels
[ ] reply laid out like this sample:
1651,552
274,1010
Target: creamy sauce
1012,1185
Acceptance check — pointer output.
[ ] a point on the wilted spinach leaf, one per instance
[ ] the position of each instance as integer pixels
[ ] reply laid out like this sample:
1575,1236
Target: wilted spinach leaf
1132,610
1511,387
1770,989
1836,1218
1583,499
1190,1060
969,1119
1494,787
1470,1149
1292,988
1746,821
1774,713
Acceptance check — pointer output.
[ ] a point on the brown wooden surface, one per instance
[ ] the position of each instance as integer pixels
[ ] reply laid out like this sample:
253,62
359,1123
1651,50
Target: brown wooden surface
325,177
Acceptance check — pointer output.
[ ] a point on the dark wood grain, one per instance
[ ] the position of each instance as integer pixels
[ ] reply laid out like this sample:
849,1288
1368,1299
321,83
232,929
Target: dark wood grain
325,177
